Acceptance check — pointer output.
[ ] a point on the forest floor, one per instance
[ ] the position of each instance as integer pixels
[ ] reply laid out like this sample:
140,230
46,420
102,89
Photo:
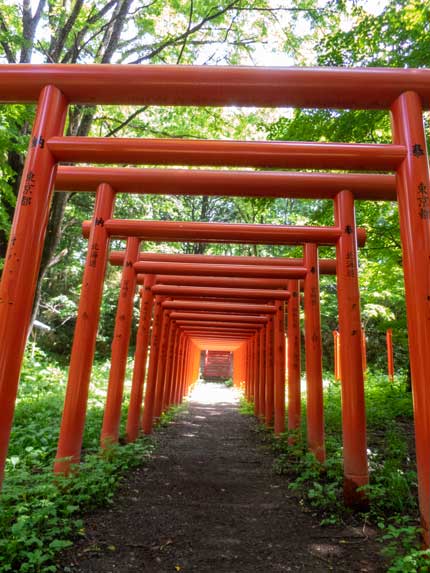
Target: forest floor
209,501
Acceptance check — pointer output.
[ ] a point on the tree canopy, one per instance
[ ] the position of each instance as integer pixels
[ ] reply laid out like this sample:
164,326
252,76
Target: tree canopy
262,32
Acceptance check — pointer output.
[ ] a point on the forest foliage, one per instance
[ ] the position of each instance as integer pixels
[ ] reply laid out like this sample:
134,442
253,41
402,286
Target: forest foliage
39,518
300,32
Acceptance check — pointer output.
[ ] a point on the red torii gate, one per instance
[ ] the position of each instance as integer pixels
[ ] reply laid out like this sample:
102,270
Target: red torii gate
241,233
326,266
315,419
405,92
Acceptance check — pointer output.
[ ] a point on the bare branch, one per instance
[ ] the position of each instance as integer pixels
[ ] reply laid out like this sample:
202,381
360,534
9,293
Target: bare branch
144,7
280,9
7,49
38,12
57,258
115,32
58,42
127,121
110,43
187,33
230,27
184,35
101,13
72,54
29,25
245,42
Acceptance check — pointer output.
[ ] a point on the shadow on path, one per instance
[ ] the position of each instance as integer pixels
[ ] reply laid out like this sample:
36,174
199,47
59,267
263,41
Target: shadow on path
208,501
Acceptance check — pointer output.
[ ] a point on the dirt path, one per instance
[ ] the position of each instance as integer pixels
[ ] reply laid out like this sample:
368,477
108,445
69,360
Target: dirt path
208,501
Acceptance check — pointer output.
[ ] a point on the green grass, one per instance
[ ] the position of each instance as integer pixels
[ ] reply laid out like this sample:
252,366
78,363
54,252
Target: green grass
246,408
40,514
392,491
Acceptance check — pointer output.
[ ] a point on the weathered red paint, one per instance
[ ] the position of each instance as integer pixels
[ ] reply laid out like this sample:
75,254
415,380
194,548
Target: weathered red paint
162,231
279,368
84,340
120,342
24,252
341,88
294,343
285,154
151,381
413,183
353,406
140,356
313,355
390,354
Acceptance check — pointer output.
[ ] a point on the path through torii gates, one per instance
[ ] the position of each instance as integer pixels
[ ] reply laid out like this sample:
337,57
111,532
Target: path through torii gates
405,92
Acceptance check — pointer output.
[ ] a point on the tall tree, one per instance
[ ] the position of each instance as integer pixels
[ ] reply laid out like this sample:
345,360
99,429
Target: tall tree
350,33
115,31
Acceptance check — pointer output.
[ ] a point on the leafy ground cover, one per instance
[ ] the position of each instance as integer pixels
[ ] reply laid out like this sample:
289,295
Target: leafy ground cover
40,513
392,491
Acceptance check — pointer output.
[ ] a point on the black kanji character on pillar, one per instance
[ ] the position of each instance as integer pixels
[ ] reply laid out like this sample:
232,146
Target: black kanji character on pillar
38,141
417,150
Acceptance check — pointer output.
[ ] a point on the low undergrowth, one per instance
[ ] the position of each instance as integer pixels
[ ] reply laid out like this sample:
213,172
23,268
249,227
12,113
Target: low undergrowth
167,417
39,513
392,492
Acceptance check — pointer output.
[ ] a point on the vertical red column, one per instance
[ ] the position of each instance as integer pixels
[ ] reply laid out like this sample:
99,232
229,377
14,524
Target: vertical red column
84,339
181,367
151,379
174,351
252,369
235,360
236,367
313,354
256,374
169,363
353,407
185,367
336,375
262,377
247,371
177,367
140,356
22,261
293,332
339,368
390,355
270,406
242,373
413,192
195,366
279,367
161,363
363,351
120,342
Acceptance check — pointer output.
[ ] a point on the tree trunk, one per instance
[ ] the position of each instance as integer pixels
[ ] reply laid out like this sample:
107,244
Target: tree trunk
200,248
80,124
53,236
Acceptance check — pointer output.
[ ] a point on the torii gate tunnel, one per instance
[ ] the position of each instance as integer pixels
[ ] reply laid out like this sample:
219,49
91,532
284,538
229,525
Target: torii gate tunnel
405,92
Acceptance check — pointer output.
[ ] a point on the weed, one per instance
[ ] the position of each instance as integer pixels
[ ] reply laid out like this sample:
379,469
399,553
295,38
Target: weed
246,408
392,491
39,513
401,539
169,415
